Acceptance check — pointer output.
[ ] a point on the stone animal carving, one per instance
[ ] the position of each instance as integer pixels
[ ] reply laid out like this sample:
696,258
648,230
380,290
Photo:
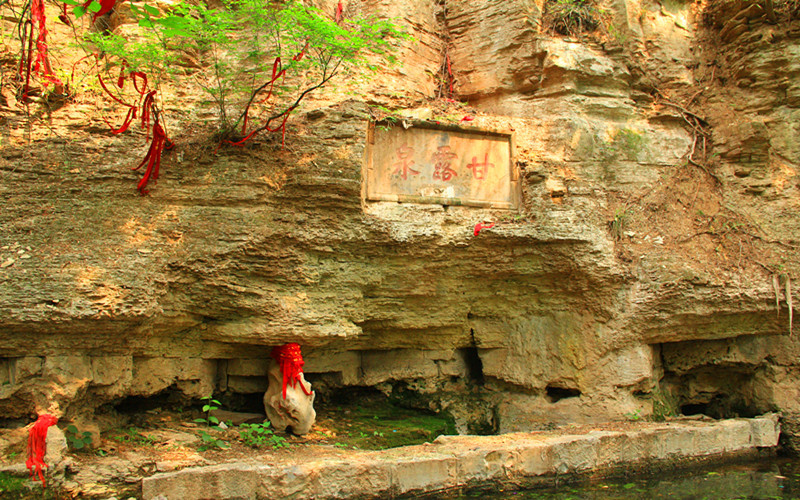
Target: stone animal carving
289,400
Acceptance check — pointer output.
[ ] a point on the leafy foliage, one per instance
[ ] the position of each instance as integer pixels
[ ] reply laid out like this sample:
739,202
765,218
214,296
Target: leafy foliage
258,435
210,441
255,59
210,405
77,440
134,435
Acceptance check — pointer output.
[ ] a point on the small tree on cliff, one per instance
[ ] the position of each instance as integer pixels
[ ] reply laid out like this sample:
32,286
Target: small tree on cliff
257,59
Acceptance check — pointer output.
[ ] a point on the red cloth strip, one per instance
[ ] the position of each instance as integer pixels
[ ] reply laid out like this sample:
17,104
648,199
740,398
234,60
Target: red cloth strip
291,362
37,446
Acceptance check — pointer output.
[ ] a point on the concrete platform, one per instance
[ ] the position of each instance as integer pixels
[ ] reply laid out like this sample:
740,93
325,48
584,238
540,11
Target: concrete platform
453,461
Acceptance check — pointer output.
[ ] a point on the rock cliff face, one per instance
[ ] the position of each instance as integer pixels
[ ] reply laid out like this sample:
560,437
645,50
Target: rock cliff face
659,160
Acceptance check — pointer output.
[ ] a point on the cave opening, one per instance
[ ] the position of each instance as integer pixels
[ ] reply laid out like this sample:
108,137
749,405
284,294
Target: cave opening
555,394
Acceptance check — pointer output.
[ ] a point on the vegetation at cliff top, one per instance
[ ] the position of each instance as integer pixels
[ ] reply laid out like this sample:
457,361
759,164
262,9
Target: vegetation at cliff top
255,60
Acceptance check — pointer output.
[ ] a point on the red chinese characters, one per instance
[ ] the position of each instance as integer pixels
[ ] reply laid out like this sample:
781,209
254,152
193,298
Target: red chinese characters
403,167
479,170
442,159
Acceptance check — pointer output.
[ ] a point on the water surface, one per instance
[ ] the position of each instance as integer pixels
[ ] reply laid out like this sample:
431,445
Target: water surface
770,478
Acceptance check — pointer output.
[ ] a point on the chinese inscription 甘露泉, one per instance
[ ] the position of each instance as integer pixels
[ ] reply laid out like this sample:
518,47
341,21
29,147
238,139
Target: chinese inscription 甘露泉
440,165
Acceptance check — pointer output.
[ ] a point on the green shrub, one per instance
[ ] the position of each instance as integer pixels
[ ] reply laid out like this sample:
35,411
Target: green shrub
572,17
255,59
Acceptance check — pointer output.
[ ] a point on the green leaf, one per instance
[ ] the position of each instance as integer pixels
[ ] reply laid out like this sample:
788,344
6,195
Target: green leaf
223,445
206,408
78,444
72,2
214,420
145,23
95,6
78,11
71,428
153,11
201,421
176,26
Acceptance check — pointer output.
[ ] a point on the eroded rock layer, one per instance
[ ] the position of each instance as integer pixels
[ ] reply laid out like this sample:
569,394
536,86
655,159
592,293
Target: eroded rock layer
658,157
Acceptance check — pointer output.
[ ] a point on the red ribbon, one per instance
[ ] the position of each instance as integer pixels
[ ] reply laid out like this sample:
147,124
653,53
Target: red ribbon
105,6
338,14
153,156
42,63
479,227
37,446
291,362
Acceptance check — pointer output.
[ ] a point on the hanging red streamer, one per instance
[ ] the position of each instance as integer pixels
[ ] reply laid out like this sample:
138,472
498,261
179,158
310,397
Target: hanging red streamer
339,11
40,63
37,446
153,156
291,362
159,142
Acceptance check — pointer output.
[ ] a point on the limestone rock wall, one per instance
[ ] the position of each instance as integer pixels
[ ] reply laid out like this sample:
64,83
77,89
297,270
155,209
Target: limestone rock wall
628,271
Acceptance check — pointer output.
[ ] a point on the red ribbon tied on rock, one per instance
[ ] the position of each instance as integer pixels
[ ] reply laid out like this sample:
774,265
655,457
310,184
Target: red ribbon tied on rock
37,446
479,227
291,362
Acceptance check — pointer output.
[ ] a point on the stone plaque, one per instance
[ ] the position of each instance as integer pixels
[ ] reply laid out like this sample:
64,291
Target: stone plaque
443,164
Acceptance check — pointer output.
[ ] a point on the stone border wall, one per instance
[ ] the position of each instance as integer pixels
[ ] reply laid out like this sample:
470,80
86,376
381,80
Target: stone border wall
453,461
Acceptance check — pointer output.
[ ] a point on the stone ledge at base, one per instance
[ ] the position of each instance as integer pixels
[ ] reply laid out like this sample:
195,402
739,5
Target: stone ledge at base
453,461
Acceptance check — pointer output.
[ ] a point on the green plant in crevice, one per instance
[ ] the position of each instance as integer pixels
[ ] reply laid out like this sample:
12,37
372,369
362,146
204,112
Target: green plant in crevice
209,406
617,224
665,404
258,435
572,17
626,144
634,416
209,440
76,439
133,435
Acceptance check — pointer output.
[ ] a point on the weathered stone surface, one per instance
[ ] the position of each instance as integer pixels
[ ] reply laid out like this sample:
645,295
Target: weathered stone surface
289,407
194,377
55,445
105,294
228,481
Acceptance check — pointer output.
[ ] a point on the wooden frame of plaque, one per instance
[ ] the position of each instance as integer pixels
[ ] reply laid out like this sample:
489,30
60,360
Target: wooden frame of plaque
425,162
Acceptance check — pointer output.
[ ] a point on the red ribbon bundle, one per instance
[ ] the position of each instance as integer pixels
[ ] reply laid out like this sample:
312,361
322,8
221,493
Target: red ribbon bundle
37,445
291,362
148,104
